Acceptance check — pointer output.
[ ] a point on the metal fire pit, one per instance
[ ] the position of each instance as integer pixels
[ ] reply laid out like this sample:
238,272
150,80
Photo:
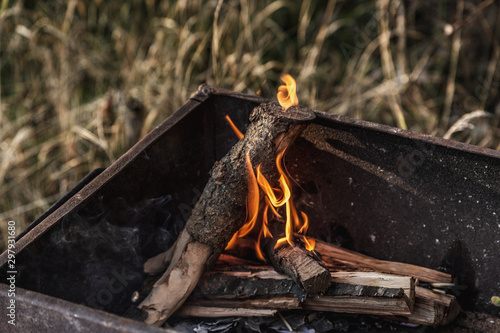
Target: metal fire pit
392,194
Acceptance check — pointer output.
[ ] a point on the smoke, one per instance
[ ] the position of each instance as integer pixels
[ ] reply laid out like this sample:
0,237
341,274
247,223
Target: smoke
95,255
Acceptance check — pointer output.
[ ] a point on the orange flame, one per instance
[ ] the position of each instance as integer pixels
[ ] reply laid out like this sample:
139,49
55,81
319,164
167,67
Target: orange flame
293,222
287,95
252,221
235,129
256,224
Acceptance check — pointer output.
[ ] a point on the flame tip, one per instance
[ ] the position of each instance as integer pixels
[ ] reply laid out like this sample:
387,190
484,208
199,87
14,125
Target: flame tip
287,95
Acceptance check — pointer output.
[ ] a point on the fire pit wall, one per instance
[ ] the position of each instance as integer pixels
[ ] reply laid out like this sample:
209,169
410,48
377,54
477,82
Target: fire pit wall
391,194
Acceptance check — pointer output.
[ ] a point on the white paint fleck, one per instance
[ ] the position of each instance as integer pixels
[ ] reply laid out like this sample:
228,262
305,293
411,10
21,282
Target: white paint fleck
372,237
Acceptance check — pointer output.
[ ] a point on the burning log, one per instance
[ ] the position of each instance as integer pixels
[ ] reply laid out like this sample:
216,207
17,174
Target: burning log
220,211
303,266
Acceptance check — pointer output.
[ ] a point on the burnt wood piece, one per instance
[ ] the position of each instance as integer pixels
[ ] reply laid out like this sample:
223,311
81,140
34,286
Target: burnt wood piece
301,265
336,257
221,209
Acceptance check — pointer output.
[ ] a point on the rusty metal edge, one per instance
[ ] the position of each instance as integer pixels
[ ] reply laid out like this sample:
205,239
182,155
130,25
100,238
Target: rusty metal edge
78,318
109,173
216,91
456,145
369,125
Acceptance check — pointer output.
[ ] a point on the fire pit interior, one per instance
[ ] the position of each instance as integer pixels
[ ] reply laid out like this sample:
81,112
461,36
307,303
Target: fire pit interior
390,194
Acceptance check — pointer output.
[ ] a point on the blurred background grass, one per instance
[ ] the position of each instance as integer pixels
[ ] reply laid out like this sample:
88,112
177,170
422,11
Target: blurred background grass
82,81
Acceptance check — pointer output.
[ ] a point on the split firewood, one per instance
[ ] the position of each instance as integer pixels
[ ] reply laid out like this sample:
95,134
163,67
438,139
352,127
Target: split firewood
191,310
159,263
236,284
303,266
221,209
247,307
350,292
369,293
335,257
431,309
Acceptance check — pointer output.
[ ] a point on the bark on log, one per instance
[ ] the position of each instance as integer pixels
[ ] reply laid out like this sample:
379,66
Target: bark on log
221,209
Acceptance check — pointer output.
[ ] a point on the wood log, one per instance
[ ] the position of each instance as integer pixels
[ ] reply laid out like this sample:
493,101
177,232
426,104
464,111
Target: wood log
369,293
336,257
221,209
221,301
431,309
247,282
301,265
239,283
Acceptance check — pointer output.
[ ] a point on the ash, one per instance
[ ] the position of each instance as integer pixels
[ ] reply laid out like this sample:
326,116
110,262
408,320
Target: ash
297,321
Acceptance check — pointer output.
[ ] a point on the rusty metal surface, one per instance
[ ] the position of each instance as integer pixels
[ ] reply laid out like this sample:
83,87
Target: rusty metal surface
396,198
393,194
40,313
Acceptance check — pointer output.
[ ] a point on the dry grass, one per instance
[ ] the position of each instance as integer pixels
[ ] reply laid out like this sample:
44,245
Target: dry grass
70,68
